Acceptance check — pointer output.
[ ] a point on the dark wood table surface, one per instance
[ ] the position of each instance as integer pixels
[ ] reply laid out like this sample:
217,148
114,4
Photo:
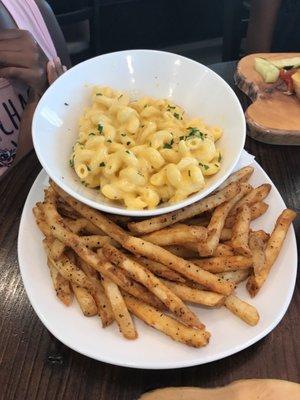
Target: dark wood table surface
34,365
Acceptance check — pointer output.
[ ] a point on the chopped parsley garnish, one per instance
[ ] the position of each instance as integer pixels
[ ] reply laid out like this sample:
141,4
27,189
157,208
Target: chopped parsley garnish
88,168
123,134
100,129
194,132
109,141
181,137
176,115
128,143
206,167
168,145
189,173
71,162
120,96
127,151
102,164
170,107
216,165
146,105
220,157
92,134
66,104
99,94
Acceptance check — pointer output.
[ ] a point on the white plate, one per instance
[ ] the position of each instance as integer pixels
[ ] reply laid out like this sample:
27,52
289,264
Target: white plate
199,90
154,350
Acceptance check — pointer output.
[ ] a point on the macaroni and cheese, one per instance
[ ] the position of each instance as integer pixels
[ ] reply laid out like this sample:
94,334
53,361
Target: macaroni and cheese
143,152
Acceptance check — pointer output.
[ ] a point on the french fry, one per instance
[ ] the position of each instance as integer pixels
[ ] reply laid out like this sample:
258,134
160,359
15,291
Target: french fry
272,250
162,221
183,267
240,231
256,195
224,264
223,250
235,276
174,329
243,310
65,210
122,279
225,234
192,295
182,252
103,304
97,218
119,308
70,239
262,235
82,224
95,241
242,175
70,271
85,300
201,220
153,284
60,284
256,210
214,228
177,234
159,269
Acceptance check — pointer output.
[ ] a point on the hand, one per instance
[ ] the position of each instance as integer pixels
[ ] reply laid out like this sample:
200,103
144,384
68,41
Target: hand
22,58
55,69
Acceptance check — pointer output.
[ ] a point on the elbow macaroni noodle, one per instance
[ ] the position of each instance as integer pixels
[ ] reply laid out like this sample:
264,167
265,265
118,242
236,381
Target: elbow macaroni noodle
144,152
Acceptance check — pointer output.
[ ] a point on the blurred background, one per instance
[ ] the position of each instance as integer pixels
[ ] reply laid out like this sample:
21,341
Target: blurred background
208,31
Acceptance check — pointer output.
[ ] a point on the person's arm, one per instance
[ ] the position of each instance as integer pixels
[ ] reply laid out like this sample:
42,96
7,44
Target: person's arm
263,17
22,59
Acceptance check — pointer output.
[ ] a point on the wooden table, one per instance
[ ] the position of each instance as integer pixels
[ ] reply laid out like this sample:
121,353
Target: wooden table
34,365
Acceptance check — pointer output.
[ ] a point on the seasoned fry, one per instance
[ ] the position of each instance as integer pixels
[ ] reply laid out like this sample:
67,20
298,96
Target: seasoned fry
225,234
240,231
223,250
182,252
119,308
262,235
183,267
150,281
103,304
97,218
162,221
85,300
65,210
224,264
201,220
186,293
235,276
242,175
121,278
72,240
274,245
177,234
159,269
256,210
176,330
243,310
256,195
214,229
61,285
70,271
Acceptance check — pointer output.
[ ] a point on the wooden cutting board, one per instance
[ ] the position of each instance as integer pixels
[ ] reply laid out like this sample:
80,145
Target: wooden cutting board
273,117
249,389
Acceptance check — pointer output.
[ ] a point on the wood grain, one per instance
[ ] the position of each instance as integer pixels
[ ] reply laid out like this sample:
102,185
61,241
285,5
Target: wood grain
273,117
35,366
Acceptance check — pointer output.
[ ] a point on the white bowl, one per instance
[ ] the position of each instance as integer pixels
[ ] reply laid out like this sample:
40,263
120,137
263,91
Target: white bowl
191,85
